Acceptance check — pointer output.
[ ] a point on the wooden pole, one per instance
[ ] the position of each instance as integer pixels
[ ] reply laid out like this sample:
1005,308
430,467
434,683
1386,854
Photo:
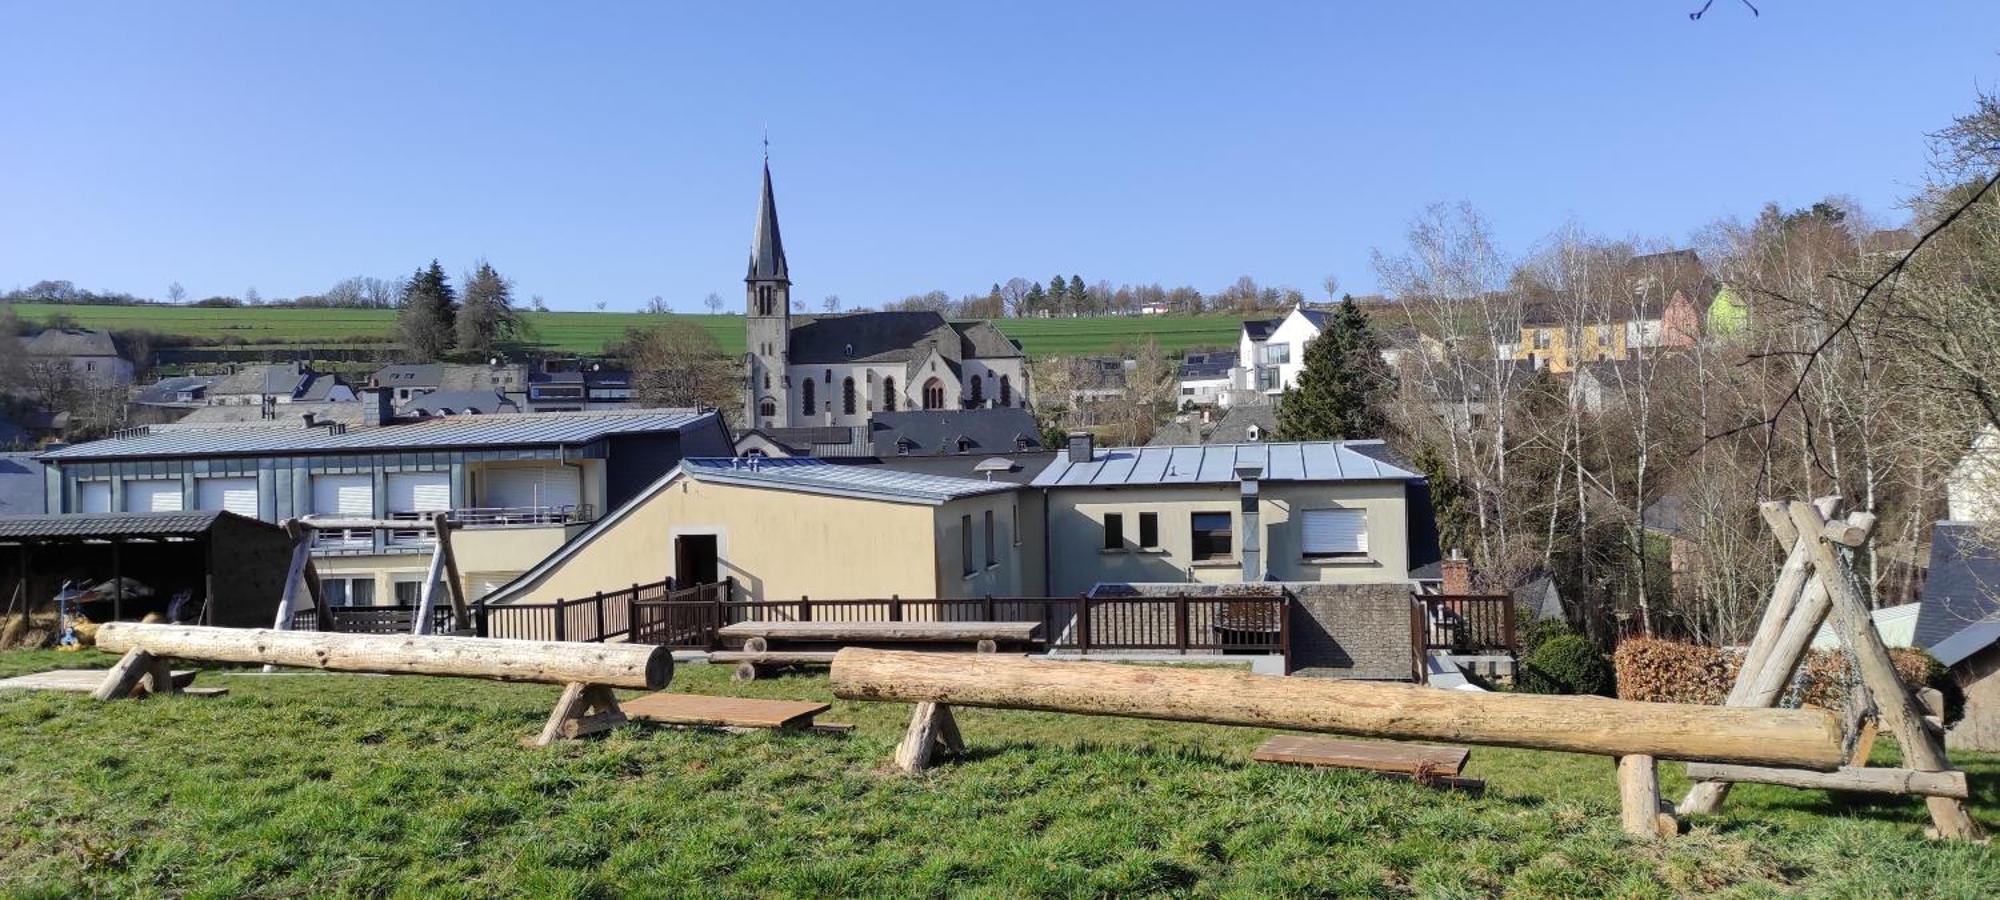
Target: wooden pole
461,616
1639,798
931,728
1922,750
1846,778
616,665
1804,738
117,582
295,575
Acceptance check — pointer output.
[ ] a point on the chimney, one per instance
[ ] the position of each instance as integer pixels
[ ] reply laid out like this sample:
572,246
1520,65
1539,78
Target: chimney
310,419
1457,574
375,408
1081,447
1253,529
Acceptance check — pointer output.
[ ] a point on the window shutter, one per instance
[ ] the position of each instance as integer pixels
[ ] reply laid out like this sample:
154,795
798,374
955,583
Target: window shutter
93,497
153,496
237,495
1336,532
343,495
411,492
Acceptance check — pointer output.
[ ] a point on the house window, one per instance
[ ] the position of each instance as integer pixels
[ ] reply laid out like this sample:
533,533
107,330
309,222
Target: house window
409,591
1114,531
992,552
1543,338
348,591
1335,534
1006,391
1212,536
978,392
965,544
847,396
933,394
1015,517
806,396
1149,530
889,394
1277,354
1267,378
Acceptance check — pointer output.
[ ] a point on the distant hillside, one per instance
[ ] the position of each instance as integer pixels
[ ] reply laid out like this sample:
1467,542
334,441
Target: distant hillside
588,332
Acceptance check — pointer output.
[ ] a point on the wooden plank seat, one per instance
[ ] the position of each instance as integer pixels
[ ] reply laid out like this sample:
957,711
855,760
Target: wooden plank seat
703,711
86,680
1424,763
752,663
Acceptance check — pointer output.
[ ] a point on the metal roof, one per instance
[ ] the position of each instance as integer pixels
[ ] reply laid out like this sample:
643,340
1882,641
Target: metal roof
525,429
105,525
820,477
1217,464
1960,612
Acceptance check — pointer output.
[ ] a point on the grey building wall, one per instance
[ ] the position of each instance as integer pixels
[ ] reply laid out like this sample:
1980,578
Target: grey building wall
1351,630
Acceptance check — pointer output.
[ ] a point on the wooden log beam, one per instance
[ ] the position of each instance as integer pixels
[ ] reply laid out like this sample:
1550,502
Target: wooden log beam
124,676
1639,798
1922,749
617,665
1804,738
1846,778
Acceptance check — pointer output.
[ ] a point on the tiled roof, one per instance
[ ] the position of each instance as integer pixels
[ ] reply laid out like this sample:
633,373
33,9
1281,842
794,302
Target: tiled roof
70,342
986,431
815,476
283,415
426,375
528,429
84,525
1217,463
168,390
473,402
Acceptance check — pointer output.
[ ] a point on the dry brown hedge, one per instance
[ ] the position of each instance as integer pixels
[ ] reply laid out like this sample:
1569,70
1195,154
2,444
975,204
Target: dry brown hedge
1673,672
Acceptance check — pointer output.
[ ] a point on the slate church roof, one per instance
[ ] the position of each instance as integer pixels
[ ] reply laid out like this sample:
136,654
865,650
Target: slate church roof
894,337
767,248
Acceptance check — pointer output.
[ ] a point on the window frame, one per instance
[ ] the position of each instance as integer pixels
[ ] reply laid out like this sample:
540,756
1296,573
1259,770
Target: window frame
1202,541
1149,531
992,544
965,546
1309,554
1113,529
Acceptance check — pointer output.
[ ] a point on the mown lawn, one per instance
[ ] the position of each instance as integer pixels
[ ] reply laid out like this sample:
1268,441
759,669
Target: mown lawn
590,332
316,784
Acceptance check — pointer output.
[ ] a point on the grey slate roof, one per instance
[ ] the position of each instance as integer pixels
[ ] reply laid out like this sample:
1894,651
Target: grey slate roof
814,476
284,415
929,432
1960,615
22,489
410,375
1216,464
70,342
275,379
767,247
867,337
518,430
168,390
473,402
1232,428
1260,329
985,340
1021,469
319,387
87,525
1198,366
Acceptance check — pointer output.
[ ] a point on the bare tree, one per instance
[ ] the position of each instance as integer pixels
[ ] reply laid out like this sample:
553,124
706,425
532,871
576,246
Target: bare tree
831,304
176,294
679,363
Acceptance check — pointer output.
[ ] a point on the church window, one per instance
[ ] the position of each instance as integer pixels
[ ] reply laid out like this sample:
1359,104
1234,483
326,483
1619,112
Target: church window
978,392
933,394
1006,391
767,381
767,408
806,396
889,394
829,376
847,395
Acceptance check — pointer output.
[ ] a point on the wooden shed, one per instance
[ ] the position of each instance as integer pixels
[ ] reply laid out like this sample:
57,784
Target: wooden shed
232,567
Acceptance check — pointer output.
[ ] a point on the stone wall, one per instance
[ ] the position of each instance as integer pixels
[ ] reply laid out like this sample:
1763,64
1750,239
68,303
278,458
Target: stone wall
1351,631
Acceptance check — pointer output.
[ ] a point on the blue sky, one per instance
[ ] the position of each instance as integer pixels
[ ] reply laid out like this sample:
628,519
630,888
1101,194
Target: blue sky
610,151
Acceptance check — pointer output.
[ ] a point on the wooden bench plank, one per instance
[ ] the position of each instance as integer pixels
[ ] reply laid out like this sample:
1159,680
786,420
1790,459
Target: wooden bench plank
723,712
774,657
1374,756
80,680
884,631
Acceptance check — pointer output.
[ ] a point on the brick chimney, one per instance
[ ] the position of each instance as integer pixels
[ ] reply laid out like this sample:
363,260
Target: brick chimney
377,408
1457,574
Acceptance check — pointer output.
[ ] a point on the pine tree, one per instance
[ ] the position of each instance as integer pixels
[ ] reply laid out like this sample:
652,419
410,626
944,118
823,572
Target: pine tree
487,316
1059,296
1345,385
428,313
1037,301
1079,298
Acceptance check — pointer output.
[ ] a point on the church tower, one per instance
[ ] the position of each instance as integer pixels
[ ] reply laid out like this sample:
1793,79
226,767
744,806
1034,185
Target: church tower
768,320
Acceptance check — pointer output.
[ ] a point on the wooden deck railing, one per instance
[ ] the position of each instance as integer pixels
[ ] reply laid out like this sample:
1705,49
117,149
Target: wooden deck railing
1464,623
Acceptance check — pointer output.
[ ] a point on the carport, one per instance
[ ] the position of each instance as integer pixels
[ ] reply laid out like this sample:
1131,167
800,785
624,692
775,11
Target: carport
232,566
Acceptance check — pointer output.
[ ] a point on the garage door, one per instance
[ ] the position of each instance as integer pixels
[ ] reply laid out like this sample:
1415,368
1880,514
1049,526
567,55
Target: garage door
419,492
554,487
93,497
237,495
343,495
153,496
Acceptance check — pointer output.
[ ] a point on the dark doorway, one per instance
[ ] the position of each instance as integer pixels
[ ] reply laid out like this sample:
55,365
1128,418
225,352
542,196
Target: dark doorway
696,560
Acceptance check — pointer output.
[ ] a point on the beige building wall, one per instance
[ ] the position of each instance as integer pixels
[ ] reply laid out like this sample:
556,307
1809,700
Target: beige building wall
487,558
780,545
1077,560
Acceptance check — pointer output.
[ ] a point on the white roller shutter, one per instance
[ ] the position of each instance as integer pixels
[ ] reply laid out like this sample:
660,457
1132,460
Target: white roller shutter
1336,532
153,496
237,495
419,492
93,497
555,487
343,495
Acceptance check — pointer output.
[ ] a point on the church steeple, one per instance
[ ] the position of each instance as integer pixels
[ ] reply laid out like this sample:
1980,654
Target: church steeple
767,249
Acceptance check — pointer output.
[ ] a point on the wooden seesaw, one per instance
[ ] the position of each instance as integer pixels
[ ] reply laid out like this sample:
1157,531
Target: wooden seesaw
588,672
1635,733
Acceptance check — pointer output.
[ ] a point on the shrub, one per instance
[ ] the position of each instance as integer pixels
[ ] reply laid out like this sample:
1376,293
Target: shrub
1534,633
1670,672
1567,665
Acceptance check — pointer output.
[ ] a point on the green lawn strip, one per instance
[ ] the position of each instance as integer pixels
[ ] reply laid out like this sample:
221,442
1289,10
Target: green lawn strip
312,784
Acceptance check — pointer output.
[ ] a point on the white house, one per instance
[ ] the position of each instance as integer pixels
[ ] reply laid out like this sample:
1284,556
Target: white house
1972,490
1205,378
1271,352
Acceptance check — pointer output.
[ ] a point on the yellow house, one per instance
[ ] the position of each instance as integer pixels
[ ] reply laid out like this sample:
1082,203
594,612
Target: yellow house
786,528
1562,346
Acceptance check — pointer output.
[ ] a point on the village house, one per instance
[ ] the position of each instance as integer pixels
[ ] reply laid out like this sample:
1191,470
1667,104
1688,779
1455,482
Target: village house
278,383
841,369
91,355
1205,378
1270,353
518,486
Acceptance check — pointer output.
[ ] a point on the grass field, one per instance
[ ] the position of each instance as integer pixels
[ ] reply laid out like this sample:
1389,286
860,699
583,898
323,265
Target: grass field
310,784
588,332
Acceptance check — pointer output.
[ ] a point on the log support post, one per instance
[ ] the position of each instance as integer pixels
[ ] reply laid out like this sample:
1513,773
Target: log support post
136,674
583,710
1641,813
932,729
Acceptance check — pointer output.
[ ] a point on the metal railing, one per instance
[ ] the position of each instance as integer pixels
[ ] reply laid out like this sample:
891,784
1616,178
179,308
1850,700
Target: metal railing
1468,623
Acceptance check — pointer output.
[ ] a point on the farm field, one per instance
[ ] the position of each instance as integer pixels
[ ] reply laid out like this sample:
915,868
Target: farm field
589,332
354,785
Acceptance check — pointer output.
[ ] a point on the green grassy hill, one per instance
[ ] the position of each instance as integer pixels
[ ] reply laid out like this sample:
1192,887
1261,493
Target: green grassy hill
588,332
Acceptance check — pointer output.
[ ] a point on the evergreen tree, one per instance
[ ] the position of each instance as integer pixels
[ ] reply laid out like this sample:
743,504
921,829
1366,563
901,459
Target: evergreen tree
428,313
1345,385
487,316
1059,295
1079,298
1037,301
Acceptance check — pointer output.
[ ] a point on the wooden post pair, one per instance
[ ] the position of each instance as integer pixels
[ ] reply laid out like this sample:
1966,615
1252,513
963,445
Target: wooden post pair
583,710
137,674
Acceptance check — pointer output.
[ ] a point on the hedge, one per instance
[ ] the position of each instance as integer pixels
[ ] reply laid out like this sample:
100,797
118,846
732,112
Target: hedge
1673,672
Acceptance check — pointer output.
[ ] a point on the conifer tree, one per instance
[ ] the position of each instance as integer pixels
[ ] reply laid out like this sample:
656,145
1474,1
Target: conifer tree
1342,391
1037,300
428,313
1079,297
487,315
